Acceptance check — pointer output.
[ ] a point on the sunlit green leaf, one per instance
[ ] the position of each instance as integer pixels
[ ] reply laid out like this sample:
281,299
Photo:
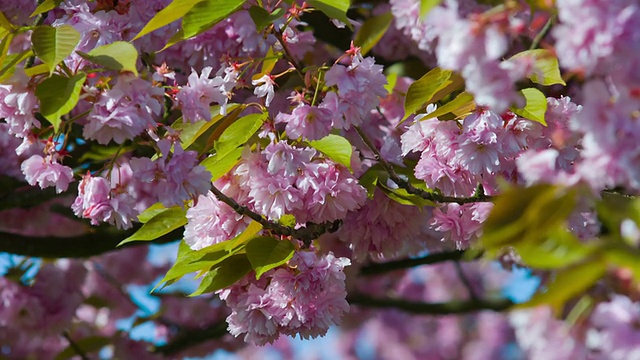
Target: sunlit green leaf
223,275
119,56
45,6
58,95
205,14
54,44
462,103
162,223
421,92
536,105
334,9
266,253
174,11
427,5
372,31
238,133
546,70
335,147
8,66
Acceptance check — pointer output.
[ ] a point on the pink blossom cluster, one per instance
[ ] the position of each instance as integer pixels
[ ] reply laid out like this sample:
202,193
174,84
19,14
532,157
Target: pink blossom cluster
303,298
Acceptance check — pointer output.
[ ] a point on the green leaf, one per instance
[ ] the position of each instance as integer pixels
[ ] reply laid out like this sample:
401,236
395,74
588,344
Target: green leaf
119,56
37,70
266,253
58,95
624,256
335,147
262,18
334,9
403,197
161,224
224,275
5,23
189,261
546,70
9,64
372,31
392,80
205,14
174,11
252,229
560,249
535,107
422,90
567,284
151,211
427,5
462,103
194,136
238,133
526,215
218,166
90,344
5,44
54,44
45,6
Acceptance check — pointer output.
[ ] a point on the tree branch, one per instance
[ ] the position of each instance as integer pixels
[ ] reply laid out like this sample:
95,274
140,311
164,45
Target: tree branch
380,268
193,337
479,196
413,307
306,234
90,244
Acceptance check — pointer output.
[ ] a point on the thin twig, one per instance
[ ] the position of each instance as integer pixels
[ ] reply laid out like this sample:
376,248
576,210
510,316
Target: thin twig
479,196
306,234
287,53
75,346
465,281
543,32
381,268
414,307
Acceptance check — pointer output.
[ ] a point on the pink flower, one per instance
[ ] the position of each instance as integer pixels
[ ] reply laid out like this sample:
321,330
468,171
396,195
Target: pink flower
196,97
124,111
92,201
47,172
307,122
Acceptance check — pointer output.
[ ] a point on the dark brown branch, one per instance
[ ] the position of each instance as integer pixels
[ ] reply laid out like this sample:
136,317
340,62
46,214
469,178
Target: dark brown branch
448,308
380,268
306,234
192,338
78,350
103,240
479,196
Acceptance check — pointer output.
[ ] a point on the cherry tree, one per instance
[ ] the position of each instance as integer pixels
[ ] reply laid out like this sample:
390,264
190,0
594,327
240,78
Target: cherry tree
376,170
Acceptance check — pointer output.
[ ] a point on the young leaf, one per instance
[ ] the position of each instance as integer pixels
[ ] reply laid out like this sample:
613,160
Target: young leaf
5,24
218,165
46,5
238,133
568,283
151,211
335,147
334,9
266,253
224,275
427,5
546,70
462,102
5,44
162,223
252,229
174,11
262,18
422,90
58,95
536,105
205,14
119,56
54,44
8,66
372,31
